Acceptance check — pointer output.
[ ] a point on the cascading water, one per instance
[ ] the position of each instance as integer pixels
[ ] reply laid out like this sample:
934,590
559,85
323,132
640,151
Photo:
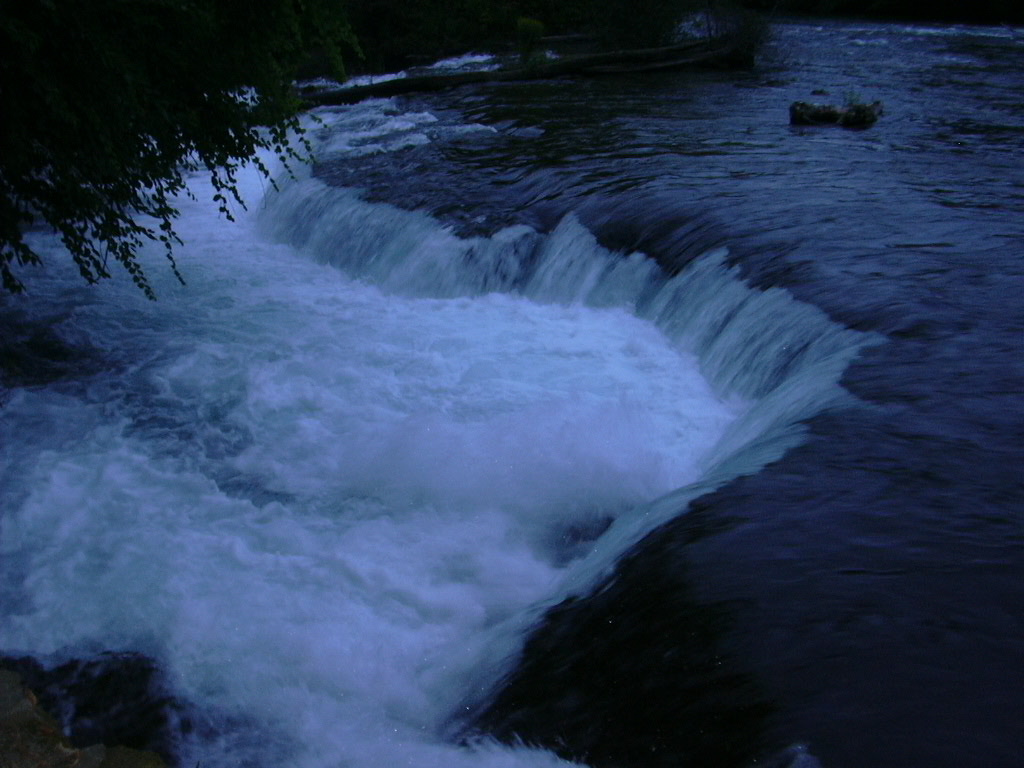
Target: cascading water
328,495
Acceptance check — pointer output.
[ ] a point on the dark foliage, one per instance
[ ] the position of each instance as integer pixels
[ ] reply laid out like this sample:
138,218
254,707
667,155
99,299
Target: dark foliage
640,23
109,105
980,11
396,33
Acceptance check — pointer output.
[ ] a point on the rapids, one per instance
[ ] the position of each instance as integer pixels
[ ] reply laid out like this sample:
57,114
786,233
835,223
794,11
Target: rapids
522,382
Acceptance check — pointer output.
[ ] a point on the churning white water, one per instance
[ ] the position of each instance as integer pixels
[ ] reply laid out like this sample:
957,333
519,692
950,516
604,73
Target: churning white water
307,498
316,495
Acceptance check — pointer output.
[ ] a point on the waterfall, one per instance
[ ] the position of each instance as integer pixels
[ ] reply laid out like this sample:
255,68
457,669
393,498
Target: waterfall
327,483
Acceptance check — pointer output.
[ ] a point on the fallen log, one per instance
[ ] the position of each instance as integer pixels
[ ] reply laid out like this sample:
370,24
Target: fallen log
691,54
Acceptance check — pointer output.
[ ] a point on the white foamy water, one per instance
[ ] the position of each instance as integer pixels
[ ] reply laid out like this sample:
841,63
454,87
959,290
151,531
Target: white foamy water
310,500
467,62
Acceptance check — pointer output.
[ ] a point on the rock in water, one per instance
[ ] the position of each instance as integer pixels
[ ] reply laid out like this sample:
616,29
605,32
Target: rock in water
111,699
852,116
30,738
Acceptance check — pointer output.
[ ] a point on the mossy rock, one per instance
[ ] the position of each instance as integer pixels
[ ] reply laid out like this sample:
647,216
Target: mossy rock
31,738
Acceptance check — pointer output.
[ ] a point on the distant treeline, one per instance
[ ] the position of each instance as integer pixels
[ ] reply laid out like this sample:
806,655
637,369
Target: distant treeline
973,12
394,34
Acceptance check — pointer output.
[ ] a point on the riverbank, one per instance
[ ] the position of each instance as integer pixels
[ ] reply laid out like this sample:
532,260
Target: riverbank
737,49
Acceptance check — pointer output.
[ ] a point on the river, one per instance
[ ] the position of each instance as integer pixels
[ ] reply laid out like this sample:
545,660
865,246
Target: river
610,420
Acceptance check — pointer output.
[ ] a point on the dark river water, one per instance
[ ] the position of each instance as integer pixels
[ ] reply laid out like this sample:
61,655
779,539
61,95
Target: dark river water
608,420
872,577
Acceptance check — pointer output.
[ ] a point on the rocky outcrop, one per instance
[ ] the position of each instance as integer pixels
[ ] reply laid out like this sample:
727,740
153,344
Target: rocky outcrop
31,738
111,698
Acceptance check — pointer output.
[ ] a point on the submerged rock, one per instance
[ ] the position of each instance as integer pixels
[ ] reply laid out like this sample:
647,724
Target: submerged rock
634,674
851,116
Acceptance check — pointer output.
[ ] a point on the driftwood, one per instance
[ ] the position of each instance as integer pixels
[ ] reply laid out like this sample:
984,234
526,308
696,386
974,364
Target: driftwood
692,54
852,116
